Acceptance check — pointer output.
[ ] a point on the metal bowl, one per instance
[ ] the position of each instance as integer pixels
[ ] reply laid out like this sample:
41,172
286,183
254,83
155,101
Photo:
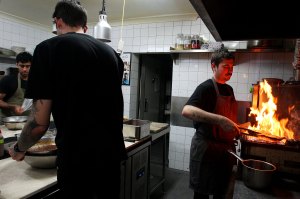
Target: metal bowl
6,52
41,161
45,146
18,49
14,122
14,119
43,154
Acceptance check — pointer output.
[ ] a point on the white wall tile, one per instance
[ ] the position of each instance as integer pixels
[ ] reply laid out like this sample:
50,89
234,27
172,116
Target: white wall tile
179,156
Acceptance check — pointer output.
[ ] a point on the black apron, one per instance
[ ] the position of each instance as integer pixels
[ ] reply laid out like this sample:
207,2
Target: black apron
211,164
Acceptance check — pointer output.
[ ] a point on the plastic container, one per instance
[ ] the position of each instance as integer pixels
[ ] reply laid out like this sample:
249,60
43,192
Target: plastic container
136,128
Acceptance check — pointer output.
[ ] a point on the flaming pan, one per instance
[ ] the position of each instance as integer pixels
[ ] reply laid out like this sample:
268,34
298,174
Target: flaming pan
245,130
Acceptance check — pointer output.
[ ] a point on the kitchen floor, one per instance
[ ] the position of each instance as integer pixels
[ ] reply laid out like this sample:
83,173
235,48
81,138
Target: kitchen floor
177,181
175,187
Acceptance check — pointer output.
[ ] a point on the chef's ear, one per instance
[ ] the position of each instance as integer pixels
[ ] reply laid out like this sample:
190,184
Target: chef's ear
85,28
59,23
213,67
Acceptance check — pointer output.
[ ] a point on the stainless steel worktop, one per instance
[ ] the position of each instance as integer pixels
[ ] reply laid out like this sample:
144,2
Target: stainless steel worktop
19,180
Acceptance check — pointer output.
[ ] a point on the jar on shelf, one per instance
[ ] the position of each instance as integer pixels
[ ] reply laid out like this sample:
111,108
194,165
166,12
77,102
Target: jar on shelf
179,42
187,42
195,42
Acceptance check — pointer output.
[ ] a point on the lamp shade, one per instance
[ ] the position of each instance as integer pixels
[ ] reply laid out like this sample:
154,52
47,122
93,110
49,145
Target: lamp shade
102,30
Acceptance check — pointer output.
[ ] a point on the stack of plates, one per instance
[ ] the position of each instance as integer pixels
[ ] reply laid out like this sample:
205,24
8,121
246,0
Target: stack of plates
18,49
6,52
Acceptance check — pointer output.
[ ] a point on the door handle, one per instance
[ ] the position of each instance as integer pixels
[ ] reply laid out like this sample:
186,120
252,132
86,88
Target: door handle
146,105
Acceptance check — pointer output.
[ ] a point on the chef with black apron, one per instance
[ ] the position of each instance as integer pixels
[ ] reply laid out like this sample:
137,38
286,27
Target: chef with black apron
213,109
13,86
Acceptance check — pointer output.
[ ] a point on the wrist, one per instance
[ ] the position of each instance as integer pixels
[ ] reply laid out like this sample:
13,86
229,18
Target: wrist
16,148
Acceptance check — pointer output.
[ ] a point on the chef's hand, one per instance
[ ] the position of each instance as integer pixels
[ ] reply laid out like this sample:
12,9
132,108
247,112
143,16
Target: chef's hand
18,156
228,125
18,110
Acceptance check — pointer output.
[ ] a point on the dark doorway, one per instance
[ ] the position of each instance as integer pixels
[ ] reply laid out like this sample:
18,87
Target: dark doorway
155,87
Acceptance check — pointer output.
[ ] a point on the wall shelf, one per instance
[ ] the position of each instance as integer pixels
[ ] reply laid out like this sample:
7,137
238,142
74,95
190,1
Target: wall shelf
191,51
175,53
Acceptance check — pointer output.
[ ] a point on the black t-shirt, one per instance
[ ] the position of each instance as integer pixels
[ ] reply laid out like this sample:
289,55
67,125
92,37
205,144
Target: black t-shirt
205,97
9,85
82,76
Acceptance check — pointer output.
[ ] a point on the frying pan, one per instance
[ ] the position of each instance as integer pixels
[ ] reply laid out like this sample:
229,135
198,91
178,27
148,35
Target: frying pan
257,174
256,133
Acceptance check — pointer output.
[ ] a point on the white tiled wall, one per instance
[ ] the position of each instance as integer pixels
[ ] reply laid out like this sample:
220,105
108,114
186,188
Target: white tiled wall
188,71
14,32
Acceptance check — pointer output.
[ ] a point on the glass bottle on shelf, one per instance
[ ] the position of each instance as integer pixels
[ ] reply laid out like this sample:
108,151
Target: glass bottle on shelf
187,42
195,42
179,42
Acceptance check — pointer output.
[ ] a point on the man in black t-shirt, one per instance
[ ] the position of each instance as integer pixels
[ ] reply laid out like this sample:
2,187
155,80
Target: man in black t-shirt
13,86
213,109
87,108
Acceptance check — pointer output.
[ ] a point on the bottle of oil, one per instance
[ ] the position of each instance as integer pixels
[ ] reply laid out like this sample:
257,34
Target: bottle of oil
1,144
179,42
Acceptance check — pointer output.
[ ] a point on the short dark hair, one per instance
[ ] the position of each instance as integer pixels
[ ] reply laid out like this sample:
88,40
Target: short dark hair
220,54
24,57
71,12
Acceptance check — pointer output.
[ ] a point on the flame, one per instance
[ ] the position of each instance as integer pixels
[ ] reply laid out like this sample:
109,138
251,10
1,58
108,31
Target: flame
267,118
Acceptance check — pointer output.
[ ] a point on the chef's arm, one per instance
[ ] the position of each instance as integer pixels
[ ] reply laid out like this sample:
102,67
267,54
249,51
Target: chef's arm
5,105
36,125
200,115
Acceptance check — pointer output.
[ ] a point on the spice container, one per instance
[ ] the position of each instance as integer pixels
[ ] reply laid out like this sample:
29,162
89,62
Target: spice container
179,42
195,42
187,42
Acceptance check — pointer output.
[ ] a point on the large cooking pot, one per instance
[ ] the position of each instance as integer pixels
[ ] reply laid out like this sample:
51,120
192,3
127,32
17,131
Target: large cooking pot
43,154
257,174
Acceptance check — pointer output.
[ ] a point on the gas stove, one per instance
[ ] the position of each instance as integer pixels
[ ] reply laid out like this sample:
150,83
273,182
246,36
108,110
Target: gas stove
285,155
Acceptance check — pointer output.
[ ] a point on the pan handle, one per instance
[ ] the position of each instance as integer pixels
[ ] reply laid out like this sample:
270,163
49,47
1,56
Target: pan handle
234,154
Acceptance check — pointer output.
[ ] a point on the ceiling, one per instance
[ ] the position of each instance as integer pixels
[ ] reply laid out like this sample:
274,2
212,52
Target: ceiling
40,11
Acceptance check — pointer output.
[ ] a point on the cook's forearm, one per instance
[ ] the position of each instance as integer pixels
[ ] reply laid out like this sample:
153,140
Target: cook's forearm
6,105
31,133
199,115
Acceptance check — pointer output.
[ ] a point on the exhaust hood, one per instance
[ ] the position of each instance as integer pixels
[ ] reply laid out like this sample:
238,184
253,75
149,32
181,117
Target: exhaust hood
236,20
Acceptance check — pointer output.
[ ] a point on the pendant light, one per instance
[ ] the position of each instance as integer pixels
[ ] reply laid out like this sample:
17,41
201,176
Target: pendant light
102,30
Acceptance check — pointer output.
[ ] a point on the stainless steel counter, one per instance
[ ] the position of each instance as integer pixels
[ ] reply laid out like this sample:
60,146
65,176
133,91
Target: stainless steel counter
20,180
158,156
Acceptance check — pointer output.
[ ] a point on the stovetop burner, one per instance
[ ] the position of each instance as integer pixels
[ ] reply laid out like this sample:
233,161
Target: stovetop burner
291,83
271,143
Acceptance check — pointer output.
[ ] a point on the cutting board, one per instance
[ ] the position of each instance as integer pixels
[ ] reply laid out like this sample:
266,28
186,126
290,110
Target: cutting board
157,127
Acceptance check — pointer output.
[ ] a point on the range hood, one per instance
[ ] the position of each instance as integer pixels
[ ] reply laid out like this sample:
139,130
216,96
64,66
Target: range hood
238,20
